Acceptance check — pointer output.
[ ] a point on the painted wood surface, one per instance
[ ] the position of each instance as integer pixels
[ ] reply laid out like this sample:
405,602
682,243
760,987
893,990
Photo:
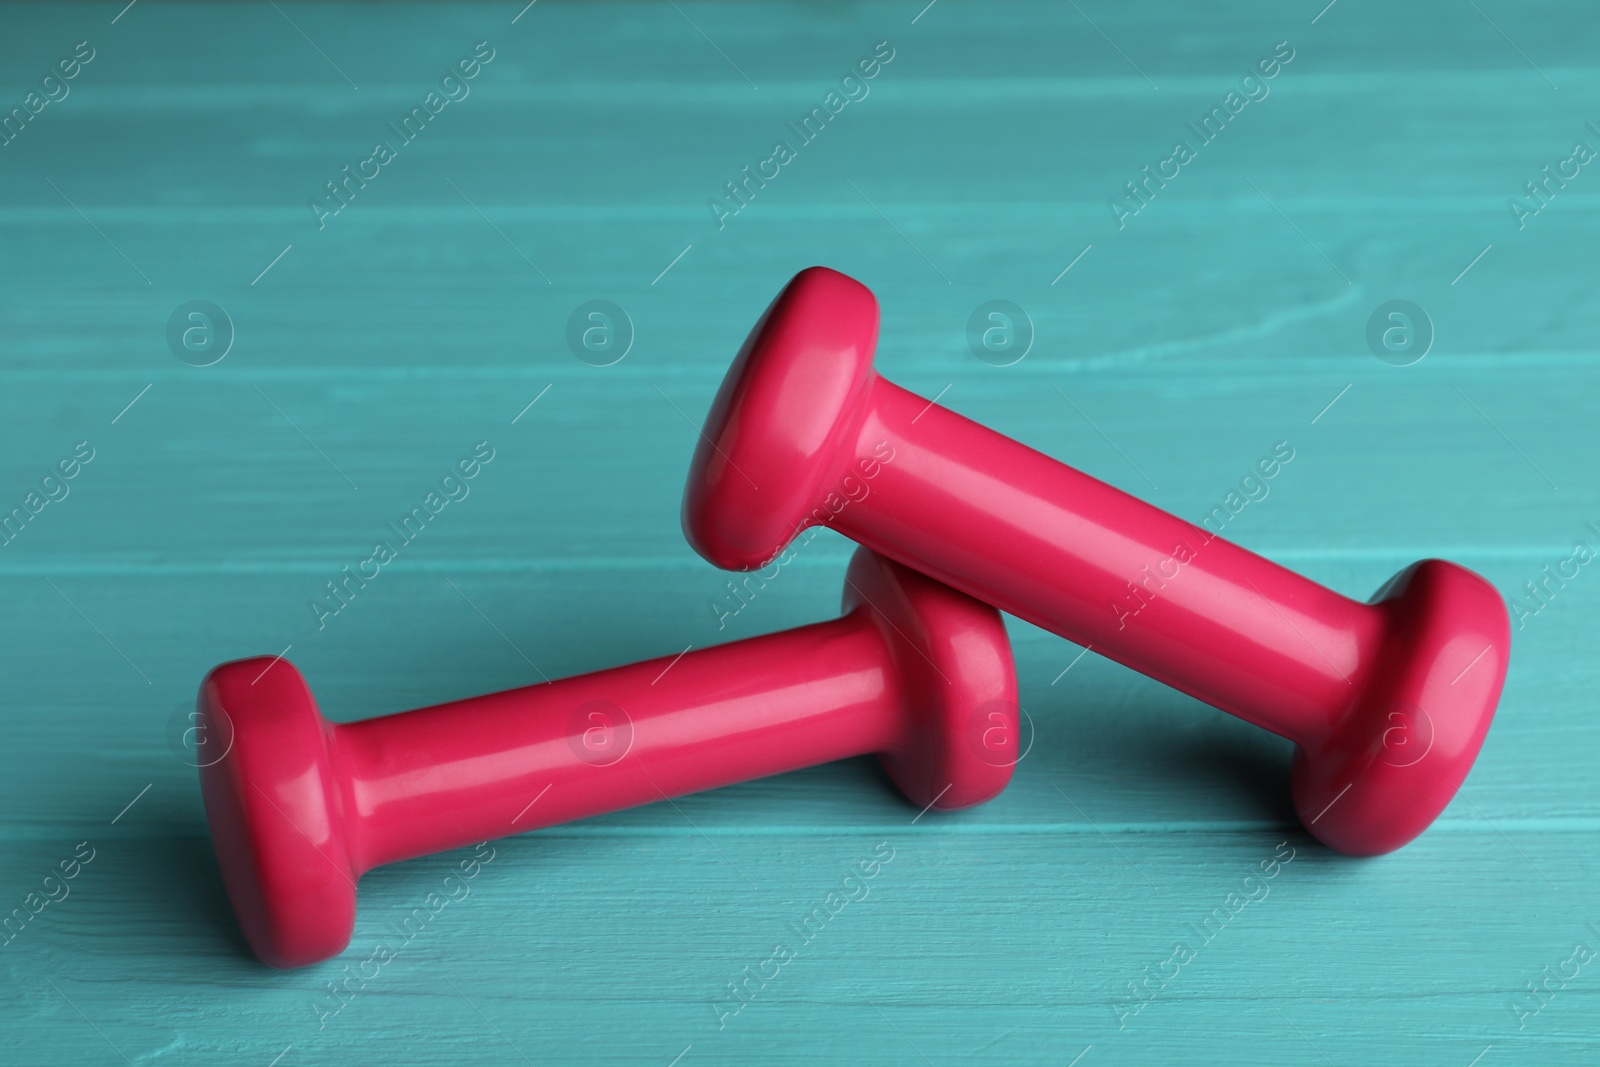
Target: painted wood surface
1229,313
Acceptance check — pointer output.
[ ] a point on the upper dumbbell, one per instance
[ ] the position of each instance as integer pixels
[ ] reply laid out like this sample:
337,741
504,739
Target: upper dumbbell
1388,702
300,807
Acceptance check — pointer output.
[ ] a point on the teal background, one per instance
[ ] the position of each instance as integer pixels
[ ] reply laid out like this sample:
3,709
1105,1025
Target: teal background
428,314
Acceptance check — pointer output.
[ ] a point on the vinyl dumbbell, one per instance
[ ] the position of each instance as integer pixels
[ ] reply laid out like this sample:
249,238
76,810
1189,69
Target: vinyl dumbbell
300,807
1388,701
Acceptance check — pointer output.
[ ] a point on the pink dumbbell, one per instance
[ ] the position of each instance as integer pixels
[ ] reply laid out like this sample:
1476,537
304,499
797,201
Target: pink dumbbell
1388,701
301,807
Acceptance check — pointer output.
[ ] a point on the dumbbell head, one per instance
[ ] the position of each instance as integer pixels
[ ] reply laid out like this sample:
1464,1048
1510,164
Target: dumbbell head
1388,766
788,409
275,802
279,788
951,655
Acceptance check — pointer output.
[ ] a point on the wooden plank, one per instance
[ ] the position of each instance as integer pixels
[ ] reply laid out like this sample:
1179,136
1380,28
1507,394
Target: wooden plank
1029,961
1131,754
1228,314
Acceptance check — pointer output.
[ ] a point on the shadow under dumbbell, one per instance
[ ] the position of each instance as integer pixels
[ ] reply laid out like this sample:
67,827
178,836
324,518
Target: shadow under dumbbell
170,884
1160,757
1252,765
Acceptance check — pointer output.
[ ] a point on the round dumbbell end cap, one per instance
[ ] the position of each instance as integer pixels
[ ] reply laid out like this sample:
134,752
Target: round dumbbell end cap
786,412
1400,754
953,660
273,804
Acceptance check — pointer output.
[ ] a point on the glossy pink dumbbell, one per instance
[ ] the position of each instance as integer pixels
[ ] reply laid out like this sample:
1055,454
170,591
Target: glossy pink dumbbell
1388,701
300,807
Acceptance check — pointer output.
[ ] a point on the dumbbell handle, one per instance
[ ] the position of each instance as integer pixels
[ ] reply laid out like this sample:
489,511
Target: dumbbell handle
440,777
1051,545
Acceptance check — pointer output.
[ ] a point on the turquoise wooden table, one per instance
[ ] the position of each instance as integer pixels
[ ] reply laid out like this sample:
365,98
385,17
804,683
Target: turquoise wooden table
395,262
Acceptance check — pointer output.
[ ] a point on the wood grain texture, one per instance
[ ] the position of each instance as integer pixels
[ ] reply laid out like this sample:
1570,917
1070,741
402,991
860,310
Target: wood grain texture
1225,317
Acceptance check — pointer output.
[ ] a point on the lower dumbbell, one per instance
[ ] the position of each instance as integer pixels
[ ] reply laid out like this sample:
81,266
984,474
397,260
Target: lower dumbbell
300,807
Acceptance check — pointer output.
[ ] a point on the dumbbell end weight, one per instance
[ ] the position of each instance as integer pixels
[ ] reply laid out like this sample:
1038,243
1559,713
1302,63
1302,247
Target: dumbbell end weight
276,810
959,736
788,410
1389,765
